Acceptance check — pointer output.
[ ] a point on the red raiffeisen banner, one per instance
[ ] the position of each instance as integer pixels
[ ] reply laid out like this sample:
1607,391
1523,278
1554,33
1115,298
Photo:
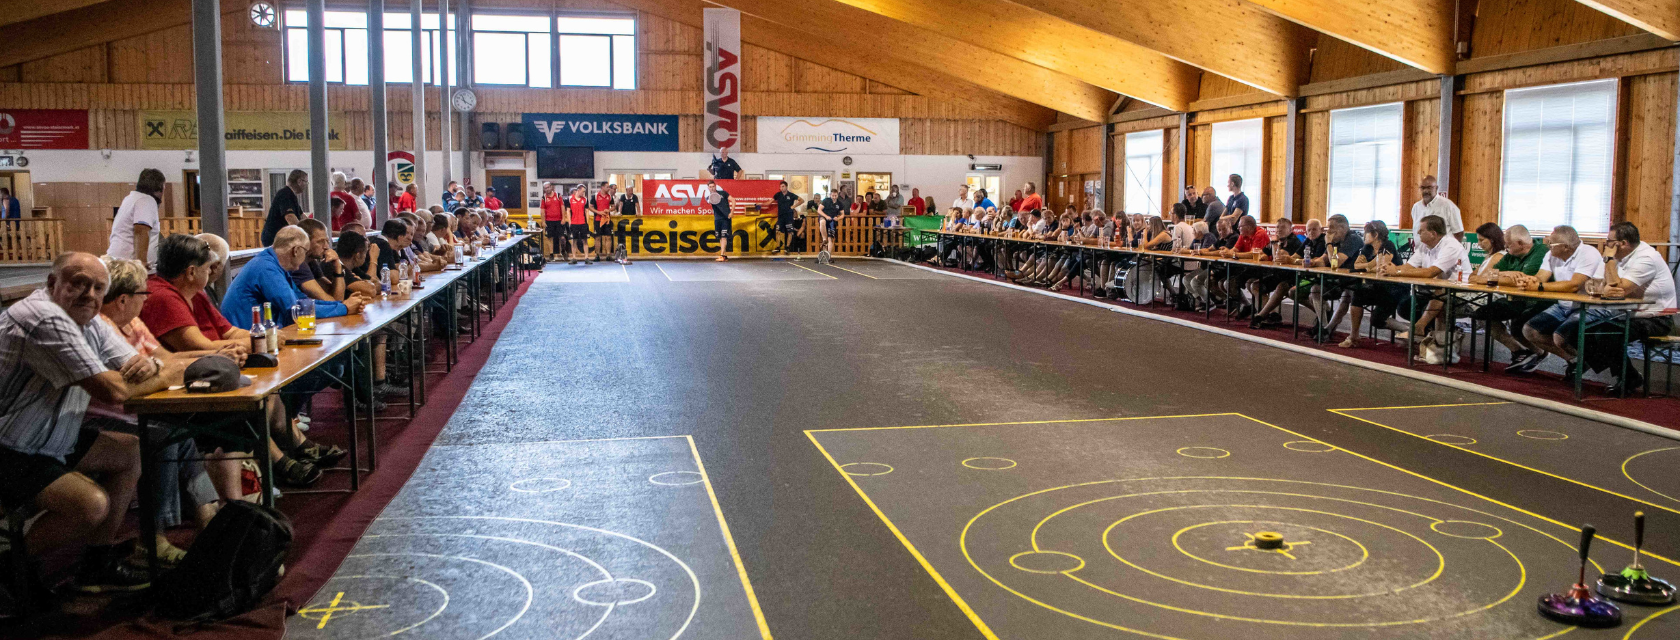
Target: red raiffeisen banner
677,197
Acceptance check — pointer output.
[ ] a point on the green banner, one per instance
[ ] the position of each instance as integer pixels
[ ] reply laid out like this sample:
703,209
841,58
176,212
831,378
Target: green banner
915,239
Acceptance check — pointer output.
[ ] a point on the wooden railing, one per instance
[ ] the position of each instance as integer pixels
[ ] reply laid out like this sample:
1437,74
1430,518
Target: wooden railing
854,235
243,233
31,240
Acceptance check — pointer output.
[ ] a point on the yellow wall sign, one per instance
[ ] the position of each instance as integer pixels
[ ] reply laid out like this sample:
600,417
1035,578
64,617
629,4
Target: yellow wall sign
243,130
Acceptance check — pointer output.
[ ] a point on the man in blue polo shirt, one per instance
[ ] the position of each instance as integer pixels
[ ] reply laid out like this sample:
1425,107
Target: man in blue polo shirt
267,278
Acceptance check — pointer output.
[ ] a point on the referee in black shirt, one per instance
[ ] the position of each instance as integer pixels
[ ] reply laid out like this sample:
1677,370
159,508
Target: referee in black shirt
787,207
720,219
723,167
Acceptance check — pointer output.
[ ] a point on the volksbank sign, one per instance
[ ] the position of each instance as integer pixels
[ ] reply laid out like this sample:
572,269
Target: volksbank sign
604,132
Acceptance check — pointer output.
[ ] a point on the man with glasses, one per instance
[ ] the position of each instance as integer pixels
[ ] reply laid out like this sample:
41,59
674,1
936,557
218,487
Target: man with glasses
1634,271
1569,265
1435,204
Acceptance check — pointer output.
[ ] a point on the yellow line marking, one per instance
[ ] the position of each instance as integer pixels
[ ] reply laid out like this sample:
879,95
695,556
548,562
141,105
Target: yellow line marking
812,270
729,540
1648,618
332,608
1341,412
1503,504
1427,406
526,444
998,424
926,565
857,272
662,270
1629,476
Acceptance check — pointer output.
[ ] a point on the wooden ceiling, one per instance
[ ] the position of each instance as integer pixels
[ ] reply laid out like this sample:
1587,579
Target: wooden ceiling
1023,57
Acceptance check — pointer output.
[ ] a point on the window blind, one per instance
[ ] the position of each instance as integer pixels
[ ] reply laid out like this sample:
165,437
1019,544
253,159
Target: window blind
1365,164
1558,156
1143,171
1239,148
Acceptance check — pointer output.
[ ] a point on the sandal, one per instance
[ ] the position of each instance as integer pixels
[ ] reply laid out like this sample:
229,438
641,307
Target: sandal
318,454
294,473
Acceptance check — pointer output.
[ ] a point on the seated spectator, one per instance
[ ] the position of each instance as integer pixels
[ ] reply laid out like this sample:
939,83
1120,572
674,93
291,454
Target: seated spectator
1635,271
267,278
54,357
1338,248
1569,264
1271,284
320,277
1512,255
352,251
1435,255
218,266
177,310
1378,297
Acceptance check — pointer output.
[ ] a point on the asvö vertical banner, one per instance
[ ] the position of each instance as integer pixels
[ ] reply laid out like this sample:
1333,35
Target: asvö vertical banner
723,79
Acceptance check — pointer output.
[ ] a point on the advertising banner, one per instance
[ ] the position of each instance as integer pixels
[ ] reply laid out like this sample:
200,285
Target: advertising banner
43,129
849,136
243,130
688,197
722,82
604,132
681,235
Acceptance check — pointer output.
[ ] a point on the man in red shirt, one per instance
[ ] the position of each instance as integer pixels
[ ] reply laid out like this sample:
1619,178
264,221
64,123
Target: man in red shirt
601,207
1252,241
917,201
406,201
554,221
1032,202
578,224
491,202
1015,202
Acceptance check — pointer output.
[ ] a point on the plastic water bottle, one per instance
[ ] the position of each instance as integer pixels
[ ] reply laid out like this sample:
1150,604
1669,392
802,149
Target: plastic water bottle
384,281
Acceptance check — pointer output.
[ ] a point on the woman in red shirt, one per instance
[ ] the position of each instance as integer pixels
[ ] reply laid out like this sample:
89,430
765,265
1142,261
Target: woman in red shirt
554,221
578,205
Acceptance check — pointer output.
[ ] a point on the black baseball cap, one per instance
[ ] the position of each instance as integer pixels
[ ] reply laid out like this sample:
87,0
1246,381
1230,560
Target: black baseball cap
214,374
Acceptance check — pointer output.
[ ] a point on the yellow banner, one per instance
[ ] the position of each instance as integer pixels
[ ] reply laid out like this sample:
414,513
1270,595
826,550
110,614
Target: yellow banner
243,130
685,235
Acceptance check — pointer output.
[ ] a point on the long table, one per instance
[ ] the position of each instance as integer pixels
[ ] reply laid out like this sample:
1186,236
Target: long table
1582,302
193,413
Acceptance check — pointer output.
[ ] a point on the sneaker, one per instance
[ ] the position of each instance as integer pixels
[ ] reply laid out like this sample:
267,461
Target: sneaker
1520,355
295,473
1527,364
319,454
103,570
1571,371
383,389
1627,385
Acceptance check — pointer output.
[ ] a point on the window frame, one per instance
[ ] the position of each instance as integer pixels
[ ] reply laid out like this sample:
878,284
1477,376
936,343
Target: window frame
1253,186
555,33
1612,133
1399,167
1160,166
433,39
553,47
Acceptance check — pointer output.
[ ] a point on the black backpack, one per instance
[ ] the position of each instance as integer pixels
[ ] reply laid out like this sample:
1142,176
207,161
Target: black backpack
231,566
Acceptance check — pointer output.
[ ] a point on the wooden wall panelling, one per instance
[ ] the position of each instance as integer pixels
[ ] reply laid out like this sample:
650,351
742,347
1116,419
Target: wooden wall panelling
1630,64
1170,189
669,71
1214,85
1376,95
762,70
1649,153
1420,144
157,57
1315,164
1163,122
1201,157
1477,193
1246,112
1512,26
815,78
1273,186
1335,59
1086,154
1061,151
874,87
666,35
82,65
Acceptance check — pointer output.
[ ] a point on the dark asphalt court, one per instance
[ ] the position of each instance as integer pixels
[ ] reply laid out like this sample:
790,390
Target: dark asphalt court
1110,484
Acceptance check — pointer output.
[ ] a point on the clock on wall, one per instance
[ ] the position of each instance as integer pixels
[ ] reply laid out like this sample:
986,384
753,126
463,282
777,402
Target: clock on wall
264,15
464,100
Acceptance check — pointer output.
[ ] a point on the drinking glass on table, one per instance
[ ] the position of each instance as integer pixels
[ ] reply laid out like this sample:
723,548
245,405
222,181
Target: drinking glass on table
303,312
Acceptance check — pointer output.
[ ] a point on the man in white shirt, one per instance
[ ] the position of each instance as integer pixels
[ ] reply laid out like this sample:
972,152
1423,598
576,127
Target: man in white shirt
1434,204
134,232
963,201
1641,273
1569,265
1436,255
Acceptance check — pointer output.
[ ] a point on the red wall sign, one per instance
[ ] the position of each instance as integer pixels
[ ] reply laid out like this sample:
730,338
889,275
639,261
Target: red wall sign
43,129
668,197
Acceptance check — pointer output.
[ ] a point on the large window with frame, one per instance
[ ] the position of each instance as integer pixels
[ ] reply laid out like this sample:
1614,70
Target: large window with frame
512,50
1365,163
1559,156
1239,148
596,51
347,47
1144,157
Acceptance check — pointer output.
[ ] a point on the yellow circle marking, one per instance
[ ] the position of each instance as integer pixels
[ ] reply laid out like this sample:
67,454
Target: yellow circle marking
987,463
1012,563
1364,553
1542,434
1308,446
1642,485
1440,561
962,542
1451,439
869,465
1205,453
333,607
1648,618
1497,532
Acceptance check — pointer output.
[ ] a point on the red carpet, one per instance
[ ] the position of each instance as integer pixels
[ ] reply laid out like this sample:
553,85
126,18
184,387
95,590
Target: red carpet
325,526
1655,410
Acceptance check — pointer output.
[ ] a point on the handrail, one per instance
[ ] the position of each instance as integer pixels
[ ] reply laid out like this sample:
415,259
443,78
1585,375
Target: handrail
31,240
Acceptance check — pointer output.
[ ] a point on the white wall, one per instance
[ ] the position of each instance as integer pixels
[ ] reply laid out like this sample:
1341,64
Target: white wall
937,176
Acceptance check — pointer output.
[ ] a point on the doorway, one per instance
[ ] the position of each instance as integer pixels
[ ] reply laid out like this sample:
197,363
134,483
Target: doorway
189,177
510,189
880,183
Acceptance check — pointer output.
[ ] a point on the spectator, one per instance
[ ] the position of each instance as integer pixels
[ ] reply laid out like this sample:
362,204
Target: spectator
393,194
1635,271
449,194
920,205
471,200
1568,266
1435,255
287,205
409,198
1437,205
895,201
1015,202
53,358
321,276
10,208
1032,201
1272,284
1198,204
1516,259
177,310
1212,209
267,278
490,199
963,201
983,202
1340,251
352,249
365,194
218,266
342,193
1237,203
723,167
134,232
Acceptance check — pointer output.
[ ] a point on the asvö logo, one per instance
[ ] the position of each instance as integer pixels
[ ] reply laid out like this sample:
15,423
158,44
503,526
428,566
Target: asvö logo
683,195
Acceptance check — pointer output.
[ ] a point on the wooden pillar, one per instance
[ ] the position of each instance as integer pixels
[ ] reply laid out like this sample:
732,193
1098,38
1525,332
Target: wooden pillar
1291,161
1448,143
1674,186
1183,155
417,93
320,183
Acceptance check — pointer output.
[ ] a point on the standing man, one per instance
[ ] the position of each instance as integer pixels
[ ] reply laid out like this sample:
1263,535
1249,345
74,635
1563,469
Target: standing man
1212,209
787,207
449,195
10,209
723,167
628,205
393,193
917,202
286,207
409,197
1196,203
134,232
720,219
577,226
1033,201
894,202
491,202
833,212
602,208
1434,204
472,201
963,201
1237,203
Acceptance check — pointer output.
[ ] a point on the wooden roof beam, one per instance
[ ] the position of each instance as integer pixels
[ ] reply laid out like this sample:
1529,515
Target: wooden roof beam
1661,17
21,10
1255,47
63,32
902,45
1045,39
1418,33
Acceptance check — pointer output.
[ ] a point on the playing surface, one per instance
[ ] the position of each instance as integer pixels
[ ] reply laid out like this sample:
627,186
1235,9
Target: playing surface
557,504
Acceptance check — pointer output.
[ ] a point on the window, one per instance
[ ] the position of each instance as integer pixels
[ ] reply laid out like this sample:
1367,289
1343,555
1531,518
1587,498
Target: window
512,50
628,180
1144,155
597,52
991,183
1365,164
805,184
1558,156
1238,148
347,47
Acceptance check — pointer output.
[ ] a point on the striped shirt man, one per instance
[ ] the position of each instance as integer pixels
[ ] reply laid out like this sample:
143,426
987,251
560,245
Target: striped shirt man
43,354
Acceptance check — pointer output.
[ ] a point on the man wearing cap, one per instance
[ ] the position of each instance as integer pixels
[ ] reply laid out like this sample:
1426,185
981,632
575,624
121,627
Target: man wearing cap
53,359
720,219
